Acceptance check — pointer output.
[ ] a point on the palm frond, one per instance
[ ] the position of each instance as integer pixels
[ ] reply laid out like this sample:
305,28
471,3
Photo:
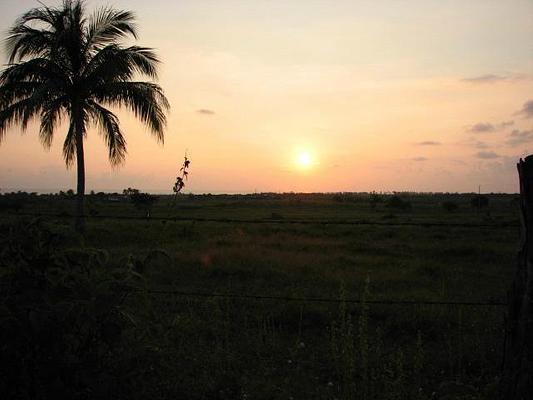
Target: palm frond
69,146
44,15
50,119
77,130
25,41
108,25
22,111
19,113
113,63
35,70
109,128
146,100
16,91
64,64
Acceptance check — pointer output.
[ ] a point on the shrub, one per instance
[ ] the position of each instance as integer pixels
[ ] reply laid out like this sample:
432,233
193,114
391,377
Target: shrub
398,203
62,317
141,201
16,201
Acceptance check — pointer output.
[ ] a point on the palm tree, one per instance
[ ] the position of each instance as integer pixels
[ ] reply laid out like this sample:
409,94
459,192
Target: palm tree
67,66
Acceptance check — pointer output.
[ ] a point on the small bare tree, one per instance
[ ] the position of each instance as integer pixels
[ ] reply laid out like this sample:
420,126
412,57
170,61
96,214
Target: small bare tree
182,177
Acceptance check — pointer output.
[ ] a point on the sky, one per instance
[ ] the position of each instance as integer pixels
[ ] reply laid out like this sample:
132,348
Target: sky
314,96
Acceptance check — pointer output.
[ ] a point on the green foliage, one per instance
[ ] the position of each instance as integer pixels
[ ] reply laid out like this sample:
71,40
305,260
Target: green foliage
62,317
173,346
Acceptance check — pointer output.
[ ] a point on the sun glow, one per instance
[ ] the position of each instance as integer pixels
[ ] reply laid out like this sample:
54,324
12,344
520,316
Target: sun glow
304,160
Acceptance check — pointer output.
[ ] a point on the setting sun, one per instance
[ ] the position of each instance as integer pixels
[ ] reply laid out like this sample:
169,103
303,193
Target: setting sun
304,160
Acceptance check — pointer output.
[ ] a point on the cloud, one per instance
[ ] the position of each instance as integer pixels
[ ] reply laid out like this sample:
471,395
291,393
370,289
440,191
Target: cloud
481,145
429,143
205,111
518,137
489,78
493,78
484,127
487,155
527,109
473,141
419,159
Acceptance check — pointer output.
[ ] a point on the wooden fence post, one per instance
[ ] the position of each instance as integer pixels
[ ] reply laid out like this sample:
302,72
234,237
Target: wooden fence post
517,375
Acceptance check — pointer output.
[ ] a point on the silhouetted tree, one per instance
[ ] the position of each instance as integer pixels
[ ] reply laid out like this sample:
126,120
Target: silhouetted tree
141,201
66,64
130,192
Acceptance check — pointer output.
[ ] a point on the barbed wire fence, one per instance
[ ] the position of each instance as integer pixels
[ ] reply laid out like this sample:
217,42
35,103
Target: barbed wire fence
498,225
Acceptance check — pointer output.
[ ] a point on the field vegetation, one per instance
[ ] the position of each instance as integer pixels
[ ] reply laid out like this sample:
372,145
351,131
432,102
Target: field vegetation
263,296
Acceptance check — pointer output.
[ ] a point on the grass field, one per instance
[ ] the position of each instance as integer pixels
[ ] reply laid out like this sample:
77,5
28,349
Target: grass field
328,246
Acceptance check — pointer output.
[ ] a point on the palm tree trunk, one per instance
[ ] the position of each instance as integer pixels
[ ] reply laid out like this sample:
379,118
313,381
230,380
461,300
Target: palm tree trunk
80,194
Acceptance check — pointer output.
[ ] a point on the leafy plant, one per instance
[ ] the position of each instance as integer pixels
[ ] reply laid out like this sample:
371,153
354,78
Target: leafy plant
62,317
182,177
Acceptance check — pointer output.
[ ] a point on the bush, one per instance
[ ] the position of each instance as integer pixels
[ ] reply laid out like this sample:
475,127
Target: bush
141,201
15,201
398,203
62,318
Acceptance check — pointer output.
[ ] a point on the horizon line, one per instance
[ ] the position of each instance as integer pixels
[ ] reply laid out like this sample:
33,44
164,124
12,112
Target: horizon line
245,193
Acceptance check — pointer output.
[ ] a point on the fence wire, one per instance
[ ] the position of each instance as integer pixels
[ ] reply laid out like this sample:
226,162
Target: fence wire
500,225
181,293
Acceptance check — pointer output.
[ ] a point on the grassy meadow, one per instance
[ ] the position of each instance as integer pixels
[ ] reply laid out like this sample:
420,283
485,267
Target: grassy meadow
121,286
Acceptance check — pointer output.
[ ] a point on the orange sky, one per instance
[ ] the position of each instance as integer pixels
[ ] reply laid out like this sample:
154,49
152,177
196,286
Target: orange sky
381,95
